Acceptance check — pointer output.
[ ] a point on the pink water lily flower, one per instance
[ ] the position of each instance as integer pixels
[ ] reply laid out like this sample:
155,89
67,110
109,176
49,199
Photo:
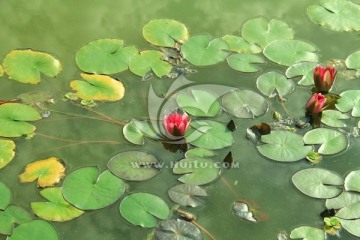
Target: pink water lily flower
324,78
316,103
176,123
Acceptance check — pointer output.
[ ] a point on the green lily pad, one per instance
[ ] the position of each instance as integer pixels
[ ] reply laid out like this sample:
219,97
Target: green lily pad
1,71
352,181
147,129
187,195
87,190
351,226
149,60
336,15
11,216
177,229
143,209
26,65
318,183
283,146
349,100
199,152
13,117
240,45
134,165
333,118
274,83
244,62
199,103
353,60
104,56
304,69
5,194
289,52
133,134
244,104
216,135
7,153
307,233
165,32
202,51
331,141
98,88
343,200
57,209
197,171
351,211
262,32
35,230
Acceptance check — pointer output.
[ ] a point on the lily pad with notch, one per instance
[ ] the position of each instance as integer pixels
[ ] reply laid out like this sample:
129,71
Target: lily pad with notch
98,88
245,62
202,51
240,45
274,83
333,118
187,195
177,229
244,104
26,66
134,165
133,134
143,209
331,141
318,183
352,181
14,117
11,216
349,100
307,233
7,153
87,190
35,230
346,198
304,69
105,56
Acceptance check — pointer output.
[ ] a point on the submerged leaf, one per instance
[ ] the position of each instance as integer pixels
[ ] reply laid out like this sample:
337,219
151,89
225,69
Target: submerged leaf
187,195
307,233
34,230
26,65
5,196
7,153
244,62
147,61
274,83
177,229
98,88
47,172
143,209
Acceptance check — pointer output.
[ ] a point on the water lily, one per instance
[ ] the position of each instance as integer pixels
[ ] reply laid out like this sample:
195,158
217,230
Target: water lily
316,103
324,78
176,123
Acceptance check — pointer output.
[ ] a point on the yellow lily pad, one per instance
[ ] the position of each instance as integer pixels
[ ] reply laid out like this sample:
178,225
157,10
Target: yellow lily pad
47,172
1,71
98,88
26,65
7,152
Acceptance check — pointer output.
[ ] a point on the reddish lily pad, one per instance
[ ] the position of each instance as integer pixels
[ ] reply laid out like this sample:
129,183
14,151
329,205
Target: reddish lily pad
7,152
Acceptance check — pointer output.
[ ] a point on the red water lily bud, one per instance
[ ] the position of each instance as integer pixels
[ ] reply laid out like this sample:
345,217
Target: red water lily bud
176,123
324,78
316,103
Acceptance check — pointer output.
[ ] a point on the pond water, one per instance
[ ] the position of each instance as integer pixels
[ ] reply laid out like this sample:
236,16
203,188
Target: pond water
60,28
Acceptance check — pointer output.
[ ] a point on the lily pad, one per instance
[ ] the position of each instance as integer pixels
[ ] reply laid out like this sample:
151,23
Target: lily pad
307,233
244,104
177,229
351,211
187,195
352,181
143,209
26,65
7,153
352,226
98,88
57,209
240,45
289,52
13,117
133,134
304,69
283,146
331,141
134,165
244,62
199,152
262,32
197,171
5,194
353,60
147,129
87,190
274,83
47,172
34,230
343,200
216,135
1,71
333,118
349,100
336,15
105,56
11,216
199,103
165,32
202,51
147,61
318,183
